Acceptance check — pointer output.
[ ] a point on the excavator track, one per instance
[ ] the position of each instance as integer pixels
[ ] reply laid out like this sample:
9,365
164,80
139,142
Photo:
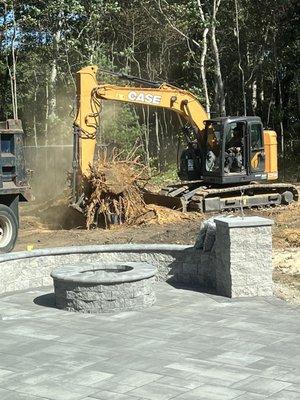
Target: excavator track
186,197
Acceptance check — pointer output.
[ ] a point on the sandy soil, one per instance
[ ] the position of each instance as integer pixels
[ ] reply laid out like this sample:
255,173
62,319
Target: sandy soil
54,224
286,274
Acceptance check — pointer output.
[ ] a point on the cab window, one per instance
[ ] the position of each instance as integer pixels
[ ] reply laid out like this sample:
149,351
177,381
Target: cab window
213,147
235,132
256,136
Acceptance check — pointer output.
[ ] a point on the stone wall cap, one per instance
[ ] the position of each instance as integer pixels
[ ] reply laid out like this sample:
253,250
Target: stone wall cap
89,249
240,222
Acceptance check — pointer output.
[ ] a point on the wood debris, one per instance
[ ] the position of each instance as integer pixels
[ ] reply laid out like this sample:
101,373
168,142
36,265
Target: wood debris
113,192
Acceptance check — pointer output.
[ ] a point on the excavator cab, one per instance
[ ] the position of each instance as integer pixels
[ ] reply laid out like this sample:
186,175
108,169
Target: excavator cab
233,150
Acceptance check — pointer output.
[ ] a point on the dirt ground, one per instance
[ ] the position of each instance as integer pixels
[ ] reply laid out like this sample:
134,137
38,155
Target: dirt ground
53,223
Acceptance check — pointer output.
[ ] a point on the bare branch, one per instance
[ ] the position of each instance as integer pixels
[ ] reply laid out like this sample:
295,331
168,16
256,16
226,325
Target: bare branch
175,27
201,10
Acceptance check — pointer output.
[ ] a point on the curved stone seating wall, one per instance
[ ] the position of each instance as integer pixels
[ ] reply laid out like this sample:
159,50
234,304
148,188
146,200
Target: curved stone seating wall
239,265
176,263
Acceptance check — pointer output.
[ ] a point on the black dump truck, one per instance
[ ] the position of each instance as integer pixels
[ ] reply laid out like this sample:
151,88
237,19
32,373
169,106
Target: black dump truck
13,181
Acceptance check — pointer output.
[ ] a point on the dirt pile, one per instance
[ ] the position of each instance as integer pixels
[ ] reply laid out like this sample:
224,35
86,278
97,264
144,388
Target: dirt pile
165,215
286,231
54,213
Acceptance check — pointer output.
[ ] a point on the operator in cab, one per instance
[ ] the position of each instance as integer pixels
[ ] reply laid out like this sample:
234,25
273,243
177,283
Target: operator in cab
237,137
234,150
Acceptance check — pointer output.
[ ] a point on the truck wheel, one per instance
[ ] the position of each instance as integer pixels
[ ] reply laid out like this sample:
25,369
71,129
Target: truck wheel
8,229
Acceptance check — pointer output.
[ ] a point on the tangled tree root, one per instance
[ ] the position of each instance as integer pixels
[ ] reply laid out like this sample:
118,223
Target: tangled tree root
113,193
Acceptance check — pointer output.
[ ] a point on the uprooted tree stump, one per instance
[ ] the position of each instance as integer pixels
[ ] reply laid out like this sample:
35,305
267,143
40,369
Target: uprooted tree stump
113,193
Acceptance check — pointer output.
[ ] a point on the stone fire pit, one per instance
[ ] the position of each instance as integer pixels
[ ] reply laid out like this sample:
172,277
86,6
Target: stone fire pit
104,287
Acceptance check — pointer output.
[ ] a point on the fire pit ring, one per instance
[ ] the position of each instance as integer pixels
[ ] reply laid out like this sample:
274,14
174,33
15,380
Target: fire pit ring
104,287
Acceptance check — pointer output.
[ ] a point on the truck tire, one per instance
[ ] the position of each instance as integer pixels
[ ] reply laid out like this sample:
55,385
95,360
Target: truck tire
8,229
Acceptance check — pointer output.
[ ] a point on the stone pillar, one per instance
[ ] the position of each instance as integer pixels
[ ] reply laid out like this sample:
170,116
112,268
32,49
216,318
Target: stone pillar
243,256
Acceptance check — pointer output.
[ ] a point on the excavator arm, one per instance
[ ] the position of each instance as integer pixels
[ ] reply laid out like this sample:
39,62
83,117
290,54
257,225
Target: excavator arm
90,94
166,96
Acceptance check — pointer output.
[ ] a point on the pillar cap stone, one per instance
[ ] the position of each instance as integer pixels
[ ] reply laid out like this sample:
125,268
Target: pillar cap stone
241,222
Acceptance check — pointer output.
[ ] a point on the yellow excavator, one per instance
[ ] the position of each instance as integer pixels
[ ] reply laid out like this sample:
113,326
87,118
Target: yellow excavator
228,162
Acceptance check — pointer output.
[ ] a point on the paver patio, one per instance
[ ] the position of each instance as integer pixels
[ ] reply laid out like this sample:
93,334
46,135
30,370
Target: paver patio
188,346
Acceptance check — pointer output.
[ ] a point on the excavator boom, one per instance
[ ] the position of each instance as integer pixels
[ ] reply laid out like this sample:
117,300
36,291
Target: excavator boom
90,94
183,103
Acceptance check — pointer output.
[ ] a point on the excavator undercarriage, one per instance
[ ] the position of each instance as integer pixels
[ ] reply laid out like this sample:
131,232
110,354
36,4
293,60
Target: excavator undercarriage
190,196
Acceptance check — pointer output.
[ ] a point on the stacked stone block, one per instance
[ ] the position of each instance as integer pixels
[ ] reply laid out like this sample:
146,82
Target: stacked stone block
104,297
243,261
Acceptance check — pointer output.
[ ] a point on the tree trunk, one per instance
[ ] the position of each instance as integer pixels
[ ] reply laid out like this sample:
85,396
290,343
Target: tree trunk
203,70
14,66
54,73
165,137
298,90
280,100
216,95
203,58
52,90
240,58
254,96
141,127
147,136
157,141
12,70
162,141
262,95
47,112
34,109
218,73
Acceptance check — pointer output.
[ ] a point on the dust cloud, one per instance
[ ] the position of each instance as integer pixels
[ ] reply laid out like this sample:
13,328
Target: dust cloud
49,157
50,164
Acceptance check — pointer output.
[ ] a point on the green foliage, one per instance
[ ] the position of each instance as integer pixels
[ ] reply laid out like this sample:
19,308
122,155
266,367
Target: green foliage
142,39
164,178
121,128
